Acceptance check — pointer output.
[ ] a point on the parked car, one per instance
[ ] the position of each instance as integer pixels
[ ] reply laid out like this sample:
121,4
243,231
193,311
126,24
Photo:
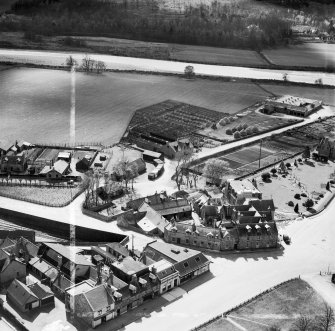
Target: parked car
287,239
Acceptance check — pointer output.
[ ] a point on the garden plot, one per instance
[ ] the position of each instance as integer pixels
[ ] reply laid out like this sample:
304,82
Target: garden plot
307,179
49,196
247,123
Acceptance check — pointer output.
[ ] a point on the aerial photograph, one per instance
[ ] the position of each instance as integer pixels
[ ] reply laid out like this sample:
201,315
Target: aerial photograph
167,165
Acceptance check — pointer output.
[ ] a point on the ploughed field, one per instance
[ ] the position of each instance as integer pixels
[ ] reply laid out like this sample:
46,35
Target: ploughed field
35,103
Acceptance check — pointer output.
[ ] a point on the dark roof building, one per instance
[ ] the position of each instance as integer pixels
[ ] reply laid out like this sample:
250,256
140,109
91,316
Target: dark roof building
187,261
127,267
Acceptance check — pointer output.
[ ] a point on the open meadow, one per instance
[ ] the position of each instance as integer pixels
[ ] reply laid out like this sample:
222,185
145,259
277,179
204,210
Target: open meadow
35,103
280,307
305,55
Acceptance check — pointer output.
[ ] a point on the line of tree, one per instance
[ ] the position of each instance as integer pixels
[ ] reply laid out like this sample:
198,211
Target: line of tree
88,64
216,24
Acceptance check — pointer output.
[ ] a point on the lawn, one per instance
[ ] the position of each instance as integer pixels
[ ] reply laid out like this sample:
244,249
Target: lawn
279,307
41,195
312,181
35,103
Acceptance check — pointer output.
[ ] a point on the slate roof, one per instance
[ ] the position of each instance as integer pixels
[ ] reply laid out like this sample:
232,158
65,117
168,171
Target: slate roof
117,247
6,242
262,205
21,293
163,268
146,225
40,290
150,199
208,210
41,266
62,282
262,229
99,297
185,260
155,218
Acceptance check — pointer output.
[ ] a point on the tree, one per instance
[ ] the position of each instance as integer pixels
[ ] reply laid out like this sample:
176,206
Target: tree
237,135
273,328
326,321
266,176
229,132
71,62
328,186
100,67
189,72
303,323
255,129
296,208
215,169
273,171
243,133
309,203
182,158
307,153
87,64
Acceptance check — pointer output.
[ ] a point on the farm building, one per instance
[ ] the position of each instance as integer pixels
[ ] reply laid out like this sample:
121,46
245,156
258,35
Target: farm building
159,169
150,156
13,163
326,149
56,171
66,156
28,297
291,105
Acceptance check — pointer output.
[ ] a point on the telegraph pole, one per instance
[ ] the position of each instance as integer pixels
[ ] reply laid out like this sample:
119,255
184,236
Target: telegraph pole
260,153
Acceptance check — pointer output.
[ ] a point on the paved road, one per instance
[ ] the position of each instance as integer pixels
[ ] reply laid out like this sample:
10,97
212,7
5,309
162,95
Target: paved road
239,278
160,66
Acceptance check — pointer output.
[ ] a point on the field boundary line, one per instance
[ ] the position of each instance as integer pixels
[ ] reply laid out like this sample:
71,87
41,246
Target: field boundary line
227,312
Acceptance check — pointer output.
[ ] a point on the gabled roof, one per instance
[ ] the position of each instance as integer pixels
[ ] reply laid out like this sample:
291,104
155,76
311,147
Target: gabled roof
153,217
40,290
263,205
150,199
99,297
66,252
5,145
40,265
117,247
21,293
261,228
6,242
146,225
163,268
62,282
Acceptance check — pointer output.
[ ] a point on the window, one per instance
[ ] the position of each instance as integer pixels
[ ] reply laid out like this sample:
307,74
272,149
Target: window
194,242
209,244
17,274
187,241
99,312
173,239
185,264
202,243
164,289
108,308
197,259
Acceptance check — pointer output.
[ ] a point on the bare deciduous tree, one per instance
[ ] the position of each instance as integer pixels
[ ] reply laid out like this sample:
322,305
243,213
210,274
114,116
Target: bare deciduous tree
182,158
100,67
326,321
303,323
87,64
215,169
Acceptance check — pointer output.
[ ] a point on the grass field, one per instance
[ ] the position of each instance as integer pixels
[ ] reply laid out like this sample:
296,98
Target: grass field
305,55
35,103
324,94
224,56
279,307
